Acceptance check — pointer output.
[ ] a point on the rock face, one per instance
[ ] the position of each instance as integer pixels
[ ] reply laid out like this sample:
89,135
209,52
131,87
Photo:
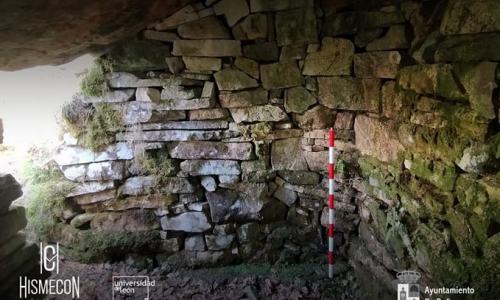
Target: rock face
212,150
188,222
58,33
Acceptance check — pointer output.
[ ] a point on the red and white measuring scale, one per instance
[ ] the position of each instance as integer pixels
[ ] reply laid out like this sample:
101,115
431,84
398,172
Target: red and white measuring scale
331,200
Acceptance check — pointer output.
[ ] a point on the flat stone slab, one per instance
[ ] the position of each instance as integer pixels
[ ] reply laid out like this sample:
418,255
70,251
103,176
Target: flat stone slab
264,113
233,80
171,135
349,93
131,221
185,125
244,98
334,58
182,104
187,222
66,156
107,170
113,96
209,48
211,167
212,150
286,154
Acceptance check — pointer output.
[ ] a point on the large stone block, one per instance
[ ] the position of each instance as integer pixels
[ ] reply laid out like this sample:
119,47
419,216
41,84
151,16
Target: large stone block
465,17
211,167
265,113
394,39
208,114
210,48
296,26
265,51
202,64
182,104
107,170
69,155
212,150
334,58
139,55
135,112
186,125
221,205
318,117
171,135
233,10
110,96
251,28
470,47
287,155
349,93
151,201
280,75
438,173
207,28
10,190
298,100
132,221
244,98
143,185
184,15
375,138
187,222
396,104
379,64
233,80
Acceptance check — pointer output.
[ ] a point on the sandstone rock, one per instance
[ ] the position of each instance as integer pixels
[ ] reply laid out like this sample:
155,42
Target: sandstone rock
349,93
293,52
91,187
437,79
12,222
183,104
212,150
263,52
366,36
10,190
287,155
463,17
318,117
194,243
208,114
108,170
298,100
171,135
184,15
316,160
81,220
127,80
254,202
248,66
229,179
210,48
244,98
299,177
233,10
376,138
147,94
380,64
97,197
150,201
221,205
280,75
394,39
343,121
187,222
131,221
285,195
206,28
251,28
202,64
276,5
66,156
185,125
113,96
211,167
138,55
396,104
219,242
232,79
136,112
160,35
297,26
138,185
265,113
208,183
334,58
256,171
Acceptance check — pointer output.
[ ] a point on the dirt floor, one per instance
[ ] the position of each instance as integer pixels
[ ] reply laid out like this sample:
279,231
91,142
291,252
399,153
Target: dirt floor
299,281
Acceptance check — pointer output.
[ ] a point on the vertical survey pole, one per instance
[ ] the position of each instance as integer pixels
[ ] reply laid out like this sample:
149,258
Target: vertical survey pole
331,202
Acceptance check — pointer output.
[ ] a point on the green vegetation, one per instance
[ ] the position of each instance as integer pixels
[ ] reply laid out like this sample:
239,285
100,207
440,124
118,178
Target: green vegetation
256,131
157,164
94,82
45,198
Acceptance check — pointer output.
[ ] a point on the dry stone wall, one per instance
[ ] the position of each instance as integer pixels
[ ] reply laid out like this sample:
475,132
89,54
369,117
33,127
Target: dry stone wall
232,100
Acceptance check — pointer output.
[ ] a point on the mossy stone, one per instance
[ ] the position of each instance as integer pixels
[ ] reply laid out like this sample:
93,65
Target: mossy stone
138,55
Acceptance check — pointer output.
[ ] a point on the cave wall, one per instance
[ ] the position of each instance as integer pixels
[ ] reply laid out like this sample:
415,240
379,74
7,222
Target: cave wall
221,152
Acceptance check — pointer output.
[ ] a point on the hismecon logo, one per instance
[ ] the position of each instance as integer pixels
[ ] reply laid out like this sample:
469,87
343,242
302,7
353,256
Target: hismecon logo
49,262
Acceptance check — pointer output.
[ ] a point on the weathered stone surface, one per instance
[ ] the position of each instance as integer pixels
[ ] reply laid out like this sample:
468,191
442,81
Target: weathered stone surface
122,80
82,220
437,79
394,39
297,26
77,155
438,173
212,150
221,204
463,17
138,55
265,113
186,125
380,64
183,104
396,104
287,155
276,5
150,201
138,185
318,117
12,222
462,48
208,114
366,36
285,195
376,138
187,222
219,242
298,100
206,28
211,167
147,94
244,98
195,243
232,80
349,93
171,135
208,183
344,120
475,159
202,64
134,112
184,15
10,190
142,185
210,48
233,10
251,28
264,52
110,97
97,197
132,221
280,75
352,22
160,35
91,187
299,177
108,170
293,52
175,64
229,179
249,232
247,65
316,160
334,58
